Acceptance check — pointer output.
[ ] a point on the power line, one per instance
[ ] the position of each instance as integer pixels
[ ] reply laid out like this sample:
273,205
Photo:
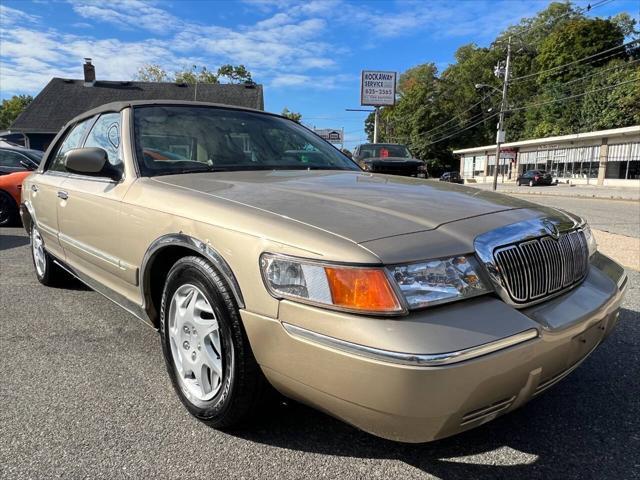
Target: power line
533,105
458,116
614,54
515,79
562,99
463,129
600,72
583,10
455,127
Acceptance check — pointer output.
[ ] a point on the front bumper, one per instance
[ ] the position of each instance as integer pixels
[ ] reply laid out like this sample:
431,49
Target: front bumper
366,377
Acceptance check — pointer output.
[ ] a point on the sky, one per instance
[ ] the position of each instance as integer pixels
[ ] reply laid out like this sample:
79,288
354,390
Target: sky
307,54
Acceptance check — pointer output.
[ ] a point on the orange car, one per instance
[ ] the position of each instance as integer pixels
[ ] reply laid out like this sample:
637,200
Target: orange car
10,189
16,163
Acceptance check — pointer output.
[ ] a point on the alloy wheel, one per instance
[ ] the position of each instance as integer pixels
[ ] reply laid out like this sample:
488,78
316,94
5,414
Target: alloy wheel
194,335
37,247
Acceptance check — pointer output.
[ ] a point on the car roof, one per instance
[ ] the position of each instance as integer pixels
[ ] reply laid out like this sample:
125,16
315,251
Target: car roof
121,105
18,148
382,145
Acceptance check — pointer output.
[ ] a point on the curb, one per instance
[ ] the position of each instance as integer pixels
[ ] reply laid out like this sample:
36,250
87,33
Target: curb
591,197
546,193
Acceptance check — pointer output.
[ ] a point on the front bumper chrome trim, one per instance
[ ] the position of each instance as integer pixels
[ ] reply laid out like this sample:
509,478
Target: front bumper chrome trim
411,359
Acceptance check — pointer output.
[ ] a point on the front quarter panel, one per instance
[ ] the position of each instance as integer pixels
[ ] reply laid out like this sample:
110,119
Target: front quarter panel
239,234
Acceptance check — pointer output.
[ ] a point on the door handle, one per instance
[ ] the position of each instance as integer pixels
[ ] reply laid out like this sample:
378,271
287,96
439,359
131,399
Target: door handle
34,187
63,195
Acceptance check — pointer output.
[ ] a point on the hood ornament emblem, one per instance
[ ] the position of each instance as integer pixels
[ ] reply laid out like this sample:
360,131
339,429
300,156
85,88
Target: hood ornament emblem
551,229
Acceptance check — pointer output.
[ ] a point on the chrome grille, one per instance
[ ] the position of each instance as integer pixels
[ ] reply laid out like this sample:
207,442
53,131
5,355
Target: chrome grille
535,268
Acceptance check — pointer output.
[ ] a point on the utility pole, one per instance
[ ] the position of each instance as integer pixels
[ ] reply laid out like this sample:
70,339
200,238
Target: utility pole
375,125
503,104
195,91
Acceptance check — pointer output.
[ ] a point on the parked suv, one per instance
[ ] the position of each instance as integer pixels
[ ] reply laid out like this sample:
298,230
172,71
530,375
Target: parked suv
389,158
267,259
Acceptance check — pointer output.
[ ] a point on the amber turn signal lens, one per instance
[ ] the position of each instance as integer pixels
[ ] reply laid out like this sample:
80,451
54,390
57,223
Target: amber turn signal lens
361,289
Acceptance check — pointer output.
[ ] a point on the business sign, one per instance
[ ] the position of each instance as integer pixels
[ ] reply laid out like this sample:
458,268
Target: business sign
330,135
507,153
377,88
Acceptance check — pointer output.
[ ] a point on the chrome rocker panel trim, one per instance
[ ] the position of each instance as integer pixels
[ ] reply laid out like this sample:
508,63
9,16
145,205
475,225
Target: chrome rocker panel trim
410,359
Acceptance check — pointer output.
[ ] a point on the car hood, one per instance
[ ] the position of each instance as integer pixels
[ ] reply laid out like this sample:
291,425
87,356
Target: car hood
354,205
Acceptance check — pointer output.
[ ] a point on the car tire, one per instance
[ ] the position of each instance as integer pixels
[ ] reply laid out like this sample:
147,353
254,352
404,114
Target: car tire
531,183
47,272
206,350
8,210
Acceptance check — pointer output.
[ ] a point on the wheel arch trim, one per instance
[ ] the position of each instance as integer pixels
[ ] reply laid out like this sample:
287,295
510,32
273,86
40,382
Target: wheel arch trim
197,246
28,216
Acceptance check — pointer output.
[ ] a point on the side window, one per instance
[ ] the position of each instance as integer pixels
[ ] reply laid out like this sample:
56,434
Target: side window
11,159
105,134
72,140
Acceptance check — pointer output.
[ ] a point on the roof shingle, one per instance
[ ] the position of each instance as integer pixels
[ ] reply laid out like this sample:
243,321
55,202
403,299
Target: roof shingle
63,99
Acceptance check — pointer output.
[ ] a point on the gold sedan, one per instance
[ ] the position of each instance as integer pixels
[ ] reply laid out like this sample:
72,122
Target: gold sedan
267,259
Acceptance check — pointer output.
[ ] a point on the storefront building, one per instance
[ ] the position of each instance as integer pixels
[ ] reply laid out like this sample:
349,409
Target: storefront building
606,157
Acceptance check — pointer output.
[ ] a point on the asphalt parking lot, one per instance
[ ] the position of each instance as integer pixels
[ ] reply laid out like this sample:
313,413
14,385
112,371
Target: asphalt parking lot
84,394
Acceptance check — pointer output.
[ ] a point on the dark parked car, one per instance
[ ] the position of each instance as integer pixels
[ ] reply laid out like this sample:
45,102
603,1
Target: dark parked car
451,177
535,177
14,158
389,158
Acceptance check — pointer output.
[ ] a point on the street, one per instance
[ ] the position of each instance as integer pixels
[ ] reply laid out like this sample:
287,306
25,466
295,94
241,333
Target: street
85,394
619,217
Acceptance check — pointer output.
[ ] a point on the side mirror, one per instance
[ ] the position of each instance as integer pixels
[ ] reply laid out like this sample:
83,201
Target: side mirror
91,161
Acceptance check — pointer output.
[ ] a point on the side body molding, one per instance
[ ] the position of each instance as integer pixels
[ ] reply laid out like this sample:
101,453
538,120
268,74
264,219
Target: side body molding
186,241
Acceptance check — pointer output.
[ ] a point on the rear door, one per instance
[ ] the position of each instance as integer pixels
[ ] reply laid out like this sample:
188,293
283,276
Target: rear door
90,231
43,190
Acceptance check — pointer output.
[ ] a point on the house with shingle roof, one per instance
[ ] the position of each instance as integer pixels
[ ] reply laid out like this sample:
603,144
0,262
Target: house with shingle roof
62,99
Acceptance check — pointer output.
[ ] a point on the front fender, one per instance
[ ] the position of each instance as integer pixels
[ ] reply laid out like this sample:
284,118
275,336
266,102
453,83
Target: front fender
197,246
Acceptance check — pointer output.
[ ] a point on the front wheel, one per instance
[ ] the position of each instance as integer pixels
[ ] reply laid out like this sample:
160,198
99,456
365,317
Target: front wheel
206,350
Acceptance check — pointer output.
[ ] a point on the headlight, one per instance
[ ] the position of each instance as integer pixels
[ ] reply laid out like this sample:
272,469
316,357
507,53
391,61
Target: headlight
357,289
438,281
591,241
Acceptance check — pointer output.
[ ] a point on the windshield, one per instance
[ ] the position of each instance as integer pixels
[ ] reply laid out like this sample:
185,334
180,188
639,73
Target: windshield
184,139
34,155
384,151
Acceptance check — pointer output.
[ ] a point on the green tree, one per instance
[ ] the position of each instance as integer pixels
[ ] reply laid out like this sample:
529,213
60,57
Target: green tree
11,108
152,73
612,107
438,112
574,40
225,73
571,41
192,76
235,74
296,117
